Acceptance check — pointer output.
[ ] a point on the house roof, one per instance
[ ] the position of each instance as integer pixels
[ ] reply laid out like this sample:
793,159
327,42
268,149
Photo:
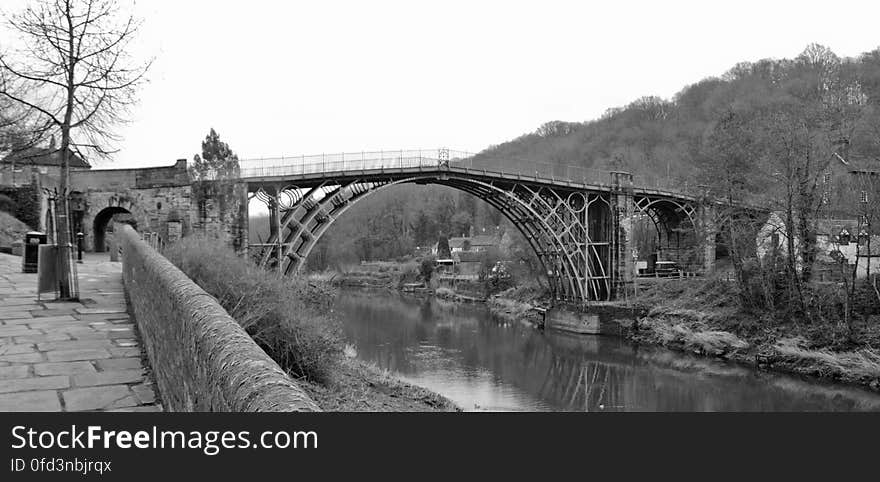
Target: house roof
858,163
468,257
481,240
484,240
457,242
44,157
833,227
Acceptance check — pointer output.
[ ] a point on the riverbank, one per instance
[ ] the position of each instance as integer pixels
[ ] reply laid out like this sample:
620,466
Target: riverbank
524,303
357,386
703,317
292,321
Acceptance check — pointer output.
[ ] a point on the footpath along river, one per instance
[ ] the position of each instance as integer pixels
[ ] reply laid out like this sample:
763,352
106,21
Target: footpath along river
483,363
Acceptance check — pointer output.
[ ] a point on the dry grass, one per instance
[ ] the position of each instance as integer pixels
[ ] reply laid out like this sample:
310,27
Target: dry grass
861,364
690,336
11,229
284,316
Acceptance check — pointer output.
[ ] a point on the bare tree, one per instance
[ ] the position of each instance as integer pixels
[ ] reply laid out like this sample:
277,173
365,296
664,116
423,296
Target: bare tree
73,70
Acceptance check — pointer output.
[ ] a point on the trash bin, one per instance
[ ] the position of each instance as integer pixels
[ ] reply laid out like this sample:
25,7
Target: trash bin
30,255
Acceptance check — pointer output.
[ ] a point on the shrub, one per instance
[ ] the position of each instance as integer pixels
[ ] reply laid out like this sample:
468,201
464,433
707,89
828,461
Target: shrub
426,268
284,316
7,204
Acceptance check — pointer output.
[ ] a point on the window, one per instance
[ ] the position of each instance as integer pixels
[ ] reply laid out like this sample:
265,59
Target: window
863,196
827,178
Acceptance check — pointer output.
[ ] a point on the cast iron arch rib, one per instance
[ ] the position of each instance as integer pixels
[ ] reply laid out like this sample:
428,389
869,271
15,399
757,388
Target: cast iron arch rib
551,226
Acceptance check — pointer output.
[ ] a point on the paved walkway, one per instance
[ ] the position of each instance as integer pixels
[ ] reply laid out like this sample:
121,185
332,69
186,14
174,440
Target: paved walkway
82,356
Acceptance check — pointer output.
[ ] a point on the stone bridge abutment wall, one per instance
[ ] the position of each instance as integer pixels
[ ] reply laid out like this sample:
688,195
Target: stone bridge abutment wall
160,200
202,359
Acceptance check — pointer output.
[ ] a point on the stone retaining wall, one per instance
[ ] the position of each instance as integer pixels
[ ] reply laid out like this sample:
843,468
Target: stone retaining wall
203,360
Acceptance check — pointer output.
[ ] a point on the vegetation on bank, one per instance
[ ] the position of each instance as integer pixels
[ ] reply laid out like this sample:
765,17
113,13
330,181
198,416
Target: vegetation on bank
706,316
290,320
11,230
283,316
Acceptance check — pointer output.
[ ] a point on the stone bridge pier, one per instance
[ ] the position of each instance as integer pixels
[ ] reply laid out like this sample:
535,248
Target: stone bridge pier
707,231
622,208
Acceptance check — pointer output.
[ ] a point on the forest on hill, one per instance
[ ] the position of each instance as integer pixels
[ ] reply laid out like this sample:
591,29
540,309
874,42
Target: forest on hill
669,137
728,132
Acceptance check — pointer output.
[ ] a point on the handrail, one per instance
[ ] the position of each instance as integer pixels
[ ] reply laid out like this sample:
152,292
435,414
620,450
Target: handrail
388,160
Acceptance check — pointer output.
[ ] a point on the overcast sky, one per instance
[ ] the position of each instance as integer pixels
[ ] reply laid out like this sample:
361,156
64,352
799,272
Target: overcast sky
305,77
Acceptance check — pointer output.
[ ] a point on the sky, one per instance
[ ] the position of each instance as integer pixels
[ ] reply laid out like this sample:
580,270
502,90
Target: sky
308,77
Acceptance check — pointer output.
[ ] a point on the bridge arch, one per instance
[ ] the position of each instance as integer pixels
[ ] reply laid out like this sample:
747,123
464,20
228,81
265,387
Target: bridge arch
675,222
563,228
102,222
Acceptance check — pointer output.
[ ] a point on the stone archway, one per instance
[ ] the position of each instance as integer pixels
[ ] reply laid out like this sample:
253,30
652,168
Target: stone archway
103,221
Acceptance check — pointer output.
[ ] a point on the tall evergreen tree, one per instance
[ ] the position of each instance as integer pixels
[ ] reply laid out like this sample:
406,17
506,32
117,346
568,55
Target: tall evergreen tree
217,161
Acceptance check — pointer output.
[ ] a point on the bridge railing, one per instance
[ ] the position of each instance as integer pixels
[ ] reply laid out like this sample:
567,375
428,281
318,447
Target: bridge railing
339,162
433,158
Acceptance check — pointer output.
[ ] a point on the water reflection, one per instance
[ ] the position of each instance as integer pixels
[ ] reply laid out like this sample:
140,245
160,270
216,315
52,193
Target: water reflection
482,363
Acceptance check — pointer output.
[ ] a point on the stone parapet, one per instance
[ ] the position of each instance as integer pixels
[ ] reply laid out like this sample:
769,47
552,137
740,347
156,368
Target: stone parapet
203,360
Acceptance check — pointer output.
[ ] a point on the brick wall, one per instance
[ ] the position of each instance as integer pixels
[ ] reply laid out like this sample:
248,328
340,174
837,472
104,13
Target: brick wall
203,360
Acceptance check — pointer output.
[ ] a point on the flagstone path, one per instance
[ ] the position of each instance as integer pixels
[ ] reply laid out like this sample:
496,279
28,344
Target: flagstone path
70,356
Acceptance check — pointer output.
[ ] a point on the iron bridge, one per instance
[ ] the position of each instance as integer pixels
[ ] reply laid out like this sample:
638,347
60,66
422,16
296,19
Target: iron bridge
578,221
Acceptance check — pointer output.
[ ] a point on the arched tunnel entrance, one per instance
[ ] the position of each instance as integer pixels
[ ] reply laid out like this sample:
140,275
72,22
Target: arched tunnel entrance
103,225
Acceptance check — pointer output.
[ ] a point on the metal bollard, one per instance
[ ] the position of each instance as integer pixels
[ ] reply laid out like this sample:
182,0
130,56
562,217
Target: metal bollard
114,250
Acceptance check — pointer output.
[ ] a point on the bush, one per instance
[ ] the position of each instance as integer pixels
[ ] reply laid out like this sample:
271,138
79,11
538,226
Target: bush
426,268
7,204
284,316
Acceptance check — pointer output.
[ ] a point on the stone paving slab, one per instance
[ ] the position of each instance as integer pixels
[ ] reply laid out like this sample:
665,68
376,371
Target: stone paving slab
99,398
13,372
64,368
118,363
70,356
44,401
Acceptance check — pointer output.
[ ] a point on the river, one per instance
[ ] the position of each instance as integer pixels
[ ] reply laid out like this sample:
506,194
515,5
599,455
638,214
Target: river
483,363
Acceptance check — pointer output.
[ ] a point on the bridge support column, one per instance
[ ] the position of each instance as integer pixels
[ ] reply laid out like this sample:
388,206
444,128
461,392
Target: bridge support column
706,232
622,265
275,228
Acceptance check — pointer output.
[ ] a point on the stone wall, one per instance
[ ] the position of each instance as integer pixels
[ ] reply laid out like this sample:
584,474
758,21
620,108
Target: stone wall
202,359
152,209
221,210
161,200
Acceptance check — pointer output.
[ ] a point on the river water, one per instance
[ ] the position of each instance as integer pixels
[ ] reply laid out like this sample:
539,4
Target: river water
483,363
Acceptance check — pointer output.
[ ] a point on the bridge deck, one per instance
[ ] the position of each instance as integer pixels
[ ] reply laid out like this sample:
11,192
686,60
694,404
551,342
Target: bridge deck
305,178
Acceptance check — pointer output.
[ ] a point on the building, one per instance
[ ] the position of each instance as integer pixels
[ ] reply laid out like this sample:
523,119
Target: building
850,185
836,240
476,244
19,168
